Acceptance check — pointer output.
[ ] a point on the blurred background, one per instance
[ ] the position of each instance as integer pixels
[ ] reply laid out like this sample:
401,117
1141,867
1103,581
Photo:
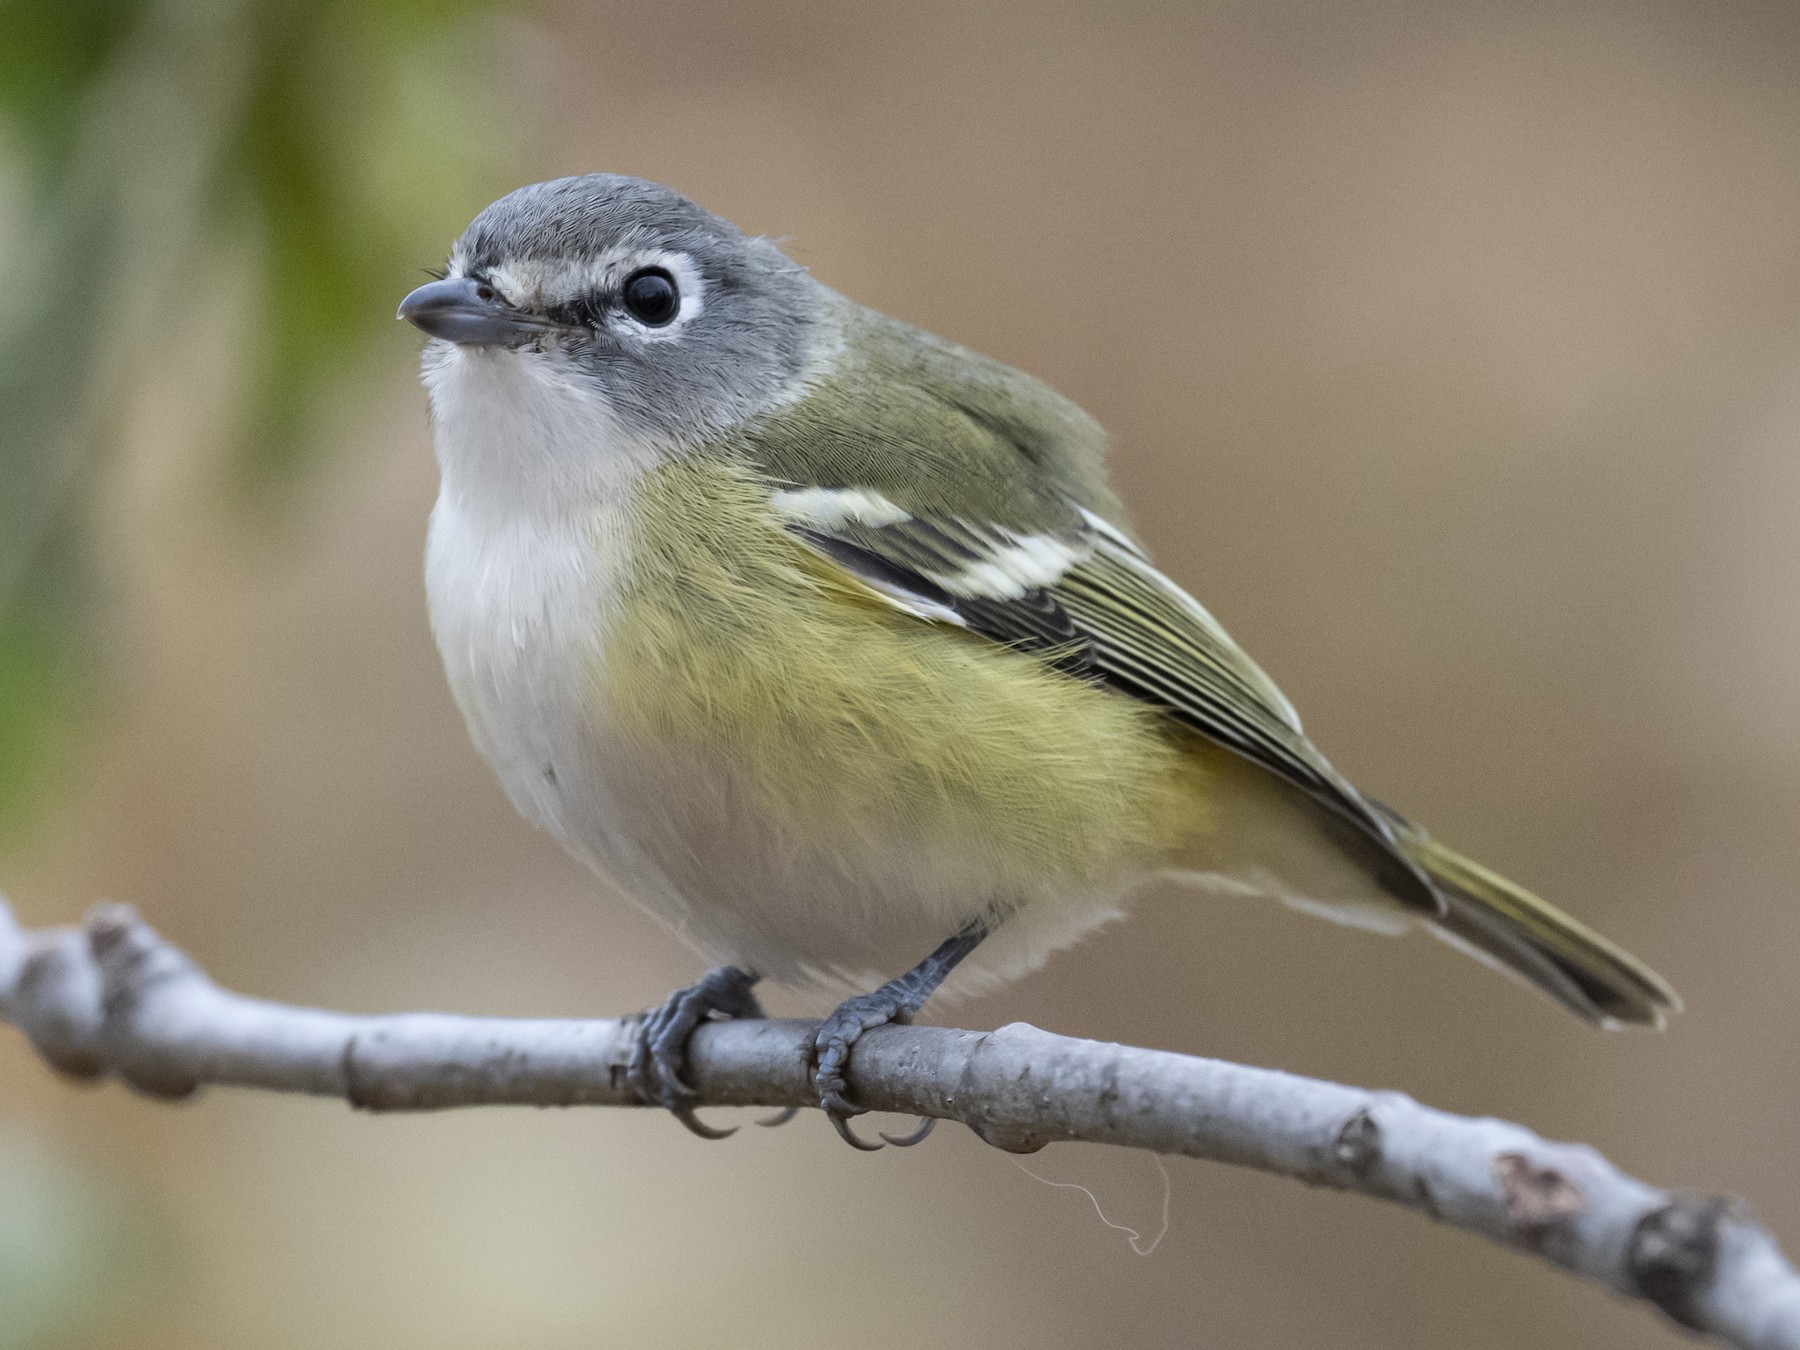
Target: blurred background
1452,354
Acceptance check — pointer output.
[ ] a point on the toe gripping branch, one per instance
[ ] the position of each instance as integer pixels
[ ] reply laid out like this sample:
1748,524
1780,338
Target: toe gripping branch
896,1001
659,1049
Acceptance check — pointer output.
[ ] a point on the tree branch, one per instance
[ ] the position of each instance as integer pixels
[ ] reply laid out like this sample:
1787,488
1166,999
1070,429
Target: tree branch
114,998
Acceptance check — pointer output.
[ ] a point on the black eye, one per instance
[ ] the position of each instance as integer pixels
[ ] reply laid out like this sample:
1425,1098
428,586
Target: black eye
651,296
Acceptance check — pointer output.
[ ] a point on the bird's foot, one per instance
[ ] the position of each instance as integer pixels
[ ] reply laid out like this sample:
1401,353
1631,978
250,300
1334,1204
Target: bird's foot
895,1001
892,1003
659,1043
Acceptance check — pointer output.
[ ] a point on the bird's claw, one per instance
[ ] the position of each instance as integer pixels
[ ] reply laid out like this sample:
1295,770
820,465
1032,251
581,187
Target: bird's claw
830,1053
659,1042
919,1134
841,1124
652,1073
685,1114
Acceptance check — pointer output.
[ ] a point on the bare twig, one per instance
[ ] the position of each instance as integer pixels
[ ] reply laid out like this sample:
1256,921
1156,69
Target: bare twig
113,997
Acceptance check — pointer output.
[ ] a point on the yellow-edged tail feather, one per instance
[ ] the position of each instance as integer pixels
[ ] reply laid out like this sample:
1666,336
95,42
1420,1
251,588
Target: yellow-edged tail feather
1509,928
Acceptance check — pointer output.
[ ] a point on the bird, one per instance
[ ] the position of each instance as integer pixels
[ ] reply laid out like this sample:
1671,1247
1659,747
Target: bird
827,641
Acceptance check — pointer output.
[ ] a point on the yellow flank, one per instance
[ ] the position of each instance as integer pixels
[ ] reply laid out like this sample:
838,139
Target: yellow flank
859,729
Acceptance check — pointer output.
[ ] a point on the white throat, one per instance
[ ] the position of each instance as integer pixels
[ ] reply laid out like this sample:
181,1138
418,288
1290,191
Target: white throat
519,439
529,549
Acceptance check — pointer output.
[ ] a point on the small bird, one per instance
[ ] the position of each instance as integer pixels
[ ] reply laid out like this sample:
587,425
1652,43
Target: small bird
826,640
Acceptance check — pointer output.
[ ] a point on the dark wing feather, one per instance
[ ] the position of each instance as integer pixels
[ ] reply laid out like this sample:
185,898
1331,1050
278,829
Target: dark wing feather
1090,600
966,492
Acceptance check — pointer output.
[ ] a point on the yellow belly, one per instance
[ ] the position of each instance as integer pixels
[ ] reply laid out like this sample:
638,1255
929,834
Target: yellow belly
821,731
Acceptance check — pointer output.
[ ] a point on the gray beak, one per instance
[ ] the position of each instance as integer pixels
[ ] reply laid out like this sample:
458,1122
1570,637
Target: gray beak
470,313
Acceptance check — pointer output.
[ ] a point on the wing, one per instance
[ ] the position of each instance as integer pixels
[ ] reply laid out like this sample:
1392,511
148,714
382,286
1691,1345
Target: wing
965,492
1080,592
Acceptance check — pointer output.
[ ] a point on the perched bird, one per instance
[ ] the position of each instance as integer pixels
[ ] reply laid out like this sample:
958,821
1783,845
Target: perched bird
826,639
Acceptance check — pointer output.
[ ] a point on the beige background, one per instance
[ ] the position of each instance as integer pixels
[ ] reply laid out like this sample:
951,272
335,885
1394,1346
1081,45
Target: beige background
1453,357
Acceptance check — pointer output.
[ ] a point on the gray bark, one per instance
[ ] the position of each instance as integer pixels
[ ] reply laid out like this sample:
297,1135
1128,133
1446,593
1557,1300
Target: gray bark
114,998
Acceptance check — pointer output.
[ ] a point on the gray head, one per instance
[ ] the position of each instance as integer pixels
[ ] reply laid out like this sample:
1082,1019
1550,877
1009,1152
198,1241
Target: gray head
659,315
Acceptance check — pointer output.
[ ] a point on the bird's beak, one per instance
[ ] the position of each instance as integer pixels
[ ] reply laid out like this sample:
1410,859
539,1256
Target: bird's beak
470,313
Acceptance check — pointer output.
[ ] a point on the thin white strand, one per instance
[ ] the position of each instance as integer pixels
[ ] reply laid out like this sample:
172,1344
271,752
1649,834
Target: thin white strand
1132,1236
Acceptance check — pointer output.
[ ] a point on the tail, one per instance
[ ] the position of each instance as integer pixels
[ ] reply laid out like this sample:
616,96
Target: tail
1509,928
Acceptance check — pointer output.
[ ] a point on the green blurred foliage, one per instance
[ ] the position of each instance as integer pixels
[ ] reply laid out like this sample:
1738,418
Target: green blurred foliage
40,681
53,53
144,143
330,87
78,1252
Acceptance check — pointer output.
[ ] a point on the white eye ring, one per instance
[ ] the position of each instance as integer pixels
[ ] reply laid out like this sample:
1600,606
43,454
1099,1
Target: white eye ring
690,287
534,284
